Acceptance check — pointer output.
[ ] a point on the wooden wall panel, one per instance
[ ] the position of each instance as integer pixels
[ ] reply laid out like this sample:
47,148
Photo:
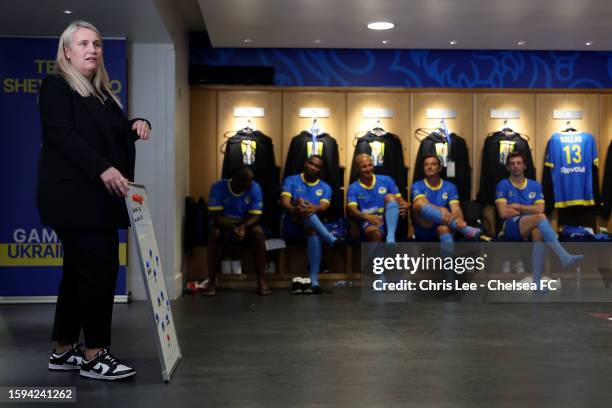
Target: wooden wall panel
357,125
463,125
202,141
270,124
335,124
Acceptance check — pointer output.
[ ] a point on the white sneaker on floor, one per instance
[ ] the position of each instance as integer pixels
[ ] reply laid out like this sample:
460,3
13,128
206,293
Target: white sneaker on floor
506,267
105,366
520,267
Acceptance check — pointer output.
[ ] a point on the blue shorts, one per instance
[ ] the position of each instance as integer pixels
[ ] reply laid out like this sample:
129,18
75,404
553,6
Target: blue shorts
511,230
423,234
365,225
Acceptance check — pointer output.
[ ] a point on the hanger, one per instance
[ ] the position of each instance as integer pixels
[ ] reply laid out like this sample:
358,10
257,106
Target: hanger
378,130
422,133
315,129
506,129
568,127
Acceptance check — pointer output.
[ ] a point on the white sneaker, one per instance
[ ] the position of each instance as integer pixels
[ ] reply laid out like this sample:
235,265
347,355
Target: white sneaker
226,267
520,267
237,267
104,366
553,284
506,267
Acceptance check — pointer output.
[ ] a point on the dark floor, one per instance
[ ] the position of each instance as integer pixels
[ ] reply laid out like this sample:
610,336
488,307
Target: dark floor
241,350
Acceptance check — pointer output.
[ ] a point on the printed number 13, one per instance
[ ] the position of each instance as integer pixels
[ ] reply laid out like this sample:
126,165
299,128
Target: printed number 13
577,158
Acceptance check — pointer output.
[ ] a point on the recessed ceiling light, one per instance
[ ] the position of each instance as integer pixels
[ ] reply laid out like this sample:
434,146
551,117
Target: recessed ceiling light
247,40
381,25
317,41
67,11
521,43
453,42
588,43
385,42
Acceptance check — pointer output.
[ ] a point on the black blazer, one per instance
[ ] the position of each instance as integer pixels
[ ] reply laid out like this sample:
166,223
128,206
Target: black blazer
79,144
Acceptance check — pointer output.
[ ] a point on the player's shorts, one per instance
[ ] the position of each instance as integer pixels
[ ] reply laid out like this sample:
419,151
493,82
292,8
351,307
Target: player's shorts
511,230
291,231
423,234
365,225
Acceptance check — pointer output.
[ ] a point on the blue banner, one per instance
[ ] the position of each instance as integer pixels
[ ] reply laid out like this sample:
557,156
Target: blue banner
31,254
417,68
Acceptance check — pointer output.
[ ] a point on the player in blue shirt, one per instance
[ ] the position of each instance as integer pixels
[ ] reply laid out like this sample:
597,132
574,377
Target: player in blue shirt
304,197
235,206
375,201
520,202
435,206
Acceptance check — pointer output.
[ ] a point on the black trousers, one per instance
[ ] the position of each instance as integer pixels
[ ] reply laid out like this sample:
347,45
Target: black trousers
87,290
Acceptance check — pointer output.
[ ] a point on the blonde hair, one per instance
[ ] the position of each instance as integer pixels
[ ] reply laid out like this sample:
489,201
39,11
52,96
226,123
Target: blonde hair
99,83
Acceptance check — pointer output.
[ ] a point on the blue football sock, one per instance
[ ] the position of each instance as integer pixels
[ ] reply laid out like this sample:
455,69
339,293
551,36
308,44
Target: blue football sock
391,217
539,250
431,213
315,223
315,252
447,248
549,236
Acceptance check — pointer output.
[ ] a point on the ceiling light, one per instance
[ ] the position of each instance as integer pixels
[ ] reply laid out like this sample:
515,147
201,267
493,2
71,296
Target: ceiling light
521,43
385,42
67,11
381,25
247,40
317,41
453,42
588,43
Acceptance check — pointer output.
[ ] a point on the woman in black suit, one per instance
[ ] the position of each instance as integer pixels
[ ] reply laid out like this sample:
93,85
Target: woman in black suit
86,160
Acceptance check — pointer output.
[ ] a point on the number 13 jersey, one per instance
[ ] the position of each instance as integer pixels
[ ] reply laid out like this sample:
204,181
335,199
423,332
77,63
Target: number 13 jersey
571,157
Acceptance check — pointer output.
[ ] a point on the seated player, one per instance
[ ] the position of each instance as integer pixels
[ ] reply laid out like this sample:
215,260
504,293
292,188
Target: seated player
435,206
304,197
520,202
375,201
235,206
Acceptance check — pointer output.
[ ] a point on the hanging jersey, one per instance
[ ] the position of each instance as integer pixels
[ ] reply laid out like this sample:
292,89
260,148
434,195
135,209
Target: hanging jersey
296,187
371,199
314,149
529,193
222,198
378,153
570,157
443,195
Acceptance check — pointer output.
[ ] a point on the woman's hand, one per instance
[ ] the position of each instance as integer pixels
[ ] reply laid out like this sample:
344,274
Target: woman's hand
142,129
114,182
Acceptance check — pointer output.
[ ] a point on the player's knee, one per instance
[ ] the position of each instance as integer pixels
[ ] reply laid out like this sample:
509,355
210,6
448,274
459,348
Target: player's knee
442,229
373,236
257,232
536,235
541,217
390,198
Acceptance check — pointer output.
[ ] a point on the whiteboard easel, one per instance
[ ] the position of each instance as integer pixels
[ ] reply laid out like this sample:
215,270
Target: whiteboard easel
168,348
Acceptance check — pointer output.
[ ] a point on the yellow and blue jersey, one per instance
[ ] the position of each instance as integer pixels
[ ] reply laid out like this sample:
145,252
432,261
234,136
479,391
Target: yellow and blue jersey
222,198
529,193
371,199
297,187
442,195
571,157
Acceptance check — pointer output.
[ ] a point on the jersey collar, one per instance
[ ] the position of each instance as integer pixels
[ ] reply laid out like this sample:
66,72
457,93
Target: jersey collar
429,186
314,183
229,187
517,186
369,187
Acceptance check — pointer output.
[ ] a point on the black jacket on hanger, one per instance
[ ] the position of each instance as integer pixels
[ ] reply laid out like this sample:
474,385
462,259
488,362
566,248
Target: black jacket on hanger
330,173
606,192
390,162
260,158
458,154
493,163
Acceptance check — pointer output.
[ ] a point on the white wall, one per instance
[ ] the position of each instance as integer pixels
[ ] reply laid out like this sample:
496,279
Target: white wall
152,96
159,91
